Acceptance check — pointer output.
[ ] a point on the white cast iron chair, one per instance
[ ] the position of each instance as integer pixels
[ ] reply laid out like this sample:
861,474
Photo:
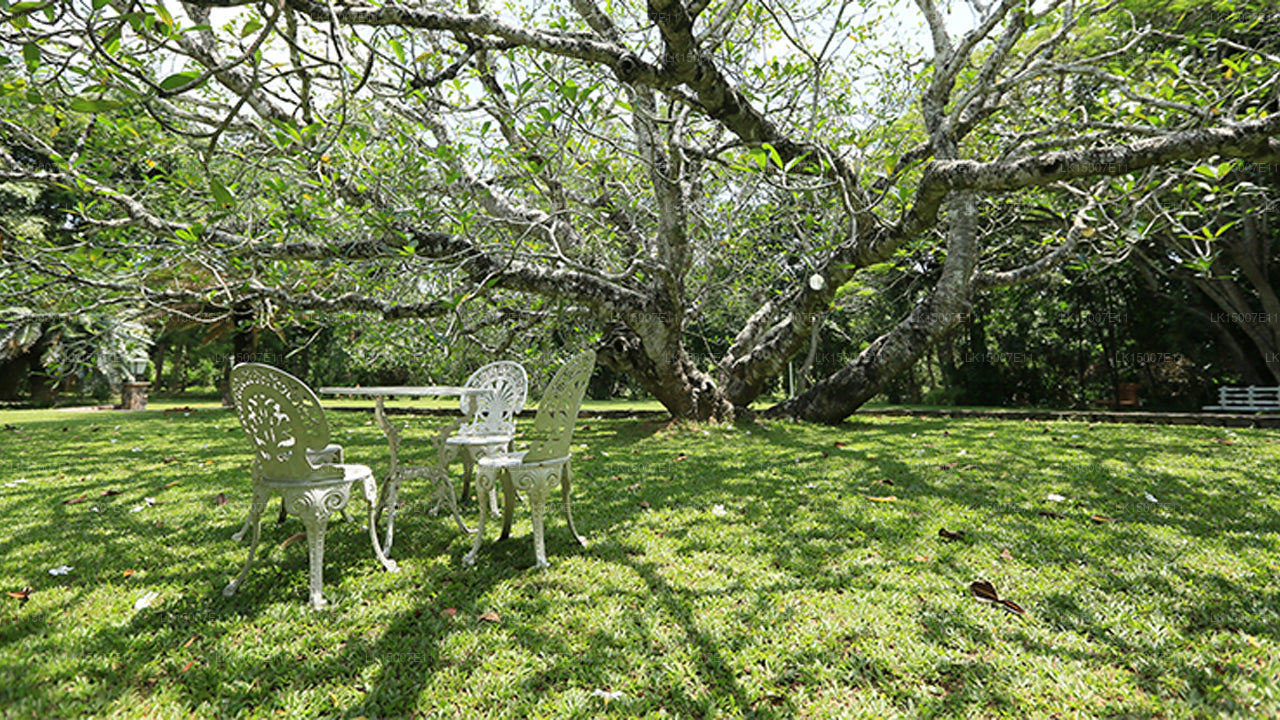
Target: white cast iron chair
536,470
491,419
288,431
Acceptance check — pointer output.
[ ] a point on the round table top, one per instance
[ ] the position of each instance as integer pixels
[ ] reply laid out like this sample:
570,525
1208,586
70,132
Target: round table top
403,390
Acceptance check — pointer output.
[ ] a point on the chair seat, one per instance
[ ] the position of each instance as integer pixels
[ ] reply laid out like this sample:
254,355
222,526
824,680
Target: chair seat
502,460
506,461
468,440
350,474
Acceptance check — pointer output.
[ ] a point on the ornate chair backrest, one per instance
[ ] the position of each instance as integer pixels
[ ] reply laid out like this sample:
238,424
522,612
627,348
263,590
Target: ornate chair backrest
496,413
283,419
558,409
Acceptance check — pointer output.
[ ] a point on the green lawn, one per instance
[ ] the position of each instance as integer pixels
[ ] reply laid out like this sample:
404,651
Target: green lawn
734,571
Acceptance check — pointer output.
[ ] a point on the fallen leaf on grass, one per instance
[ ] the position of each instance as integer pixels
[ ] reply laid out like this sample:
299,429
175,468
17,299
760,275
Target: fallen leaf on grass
680,457
1006,555
220,499
175,482
293,539
75,501
838,444
22,595
168,460
188,643
887,498
61,570
108,493
948,466
986,592
921,558
128,573
606,694
644,505
1100,519
969,467
946,534
1052,514
449,612
490,616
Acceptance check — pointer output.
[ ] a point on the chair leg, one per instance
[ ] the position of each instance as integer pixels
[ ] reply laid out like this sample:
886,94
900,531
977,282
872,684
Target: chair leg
445,456
256,506
566,483
390,499
254,523
468,470
484,485
539,490
313,506
444,491
369,488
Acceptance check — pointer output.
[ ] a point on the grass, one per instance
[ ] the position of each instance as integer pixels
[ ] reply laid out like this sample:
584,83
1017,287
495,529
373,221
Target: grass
750,570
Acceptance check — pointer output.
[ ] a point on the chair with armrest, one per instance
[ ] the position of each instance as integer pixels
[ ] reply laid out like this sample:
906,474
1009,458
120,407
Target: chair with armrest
292,456
535,471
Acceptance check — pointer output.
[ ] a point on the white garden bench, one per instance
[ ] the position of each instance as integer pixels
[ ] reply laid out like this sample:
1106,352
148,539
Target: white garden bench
1247,399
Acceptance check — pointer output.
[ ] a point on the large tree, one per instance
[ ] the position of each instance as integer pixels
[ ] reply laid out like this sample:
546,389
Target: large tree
633,164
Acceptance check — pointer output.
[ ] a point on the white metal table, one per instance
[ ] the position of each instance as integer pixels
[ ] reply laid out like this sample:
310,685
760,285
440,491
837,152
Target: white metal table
391,489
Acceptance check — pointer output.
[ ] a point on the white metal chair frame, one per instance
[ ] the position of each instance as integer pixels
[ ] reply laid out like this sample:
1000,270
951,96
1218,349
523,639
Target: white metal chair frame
290,438
490,420
536,470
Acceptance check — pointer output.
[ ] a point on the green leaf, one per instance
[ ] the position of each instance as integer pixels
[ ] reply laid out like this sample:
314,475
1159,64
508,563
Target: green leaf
163,15
220,192
177,80
31,53
99,4
773,153
95,106
250,27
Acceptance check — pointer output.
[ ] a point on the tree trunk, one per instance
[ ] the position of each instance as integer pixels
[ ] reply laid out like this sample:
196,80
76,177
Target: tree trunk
664,369
837,397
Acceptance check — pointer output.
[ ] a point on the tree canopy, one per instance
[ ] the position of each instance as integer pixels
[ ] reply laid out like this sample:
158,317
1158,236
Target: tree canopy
694,184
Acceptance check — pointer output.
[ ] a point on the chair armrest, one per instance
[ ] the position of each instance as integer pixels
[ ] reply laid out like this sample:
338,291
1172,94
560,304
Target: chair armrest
329,454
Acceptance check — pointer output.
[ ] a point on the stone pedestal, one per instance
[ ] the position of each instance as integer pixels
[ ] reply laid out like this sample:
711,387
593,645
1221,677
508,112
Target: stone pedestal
134,396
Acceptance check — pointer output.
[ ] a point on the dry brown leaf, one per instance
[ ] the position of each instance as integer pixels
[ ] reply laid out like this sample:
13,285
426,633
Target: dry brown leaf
220,499
948,466
680,457
129,572
1006,555
75,501
175,482
491,616
449,612
188,643
922,558
946,534
1100,518
887,498
108,493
